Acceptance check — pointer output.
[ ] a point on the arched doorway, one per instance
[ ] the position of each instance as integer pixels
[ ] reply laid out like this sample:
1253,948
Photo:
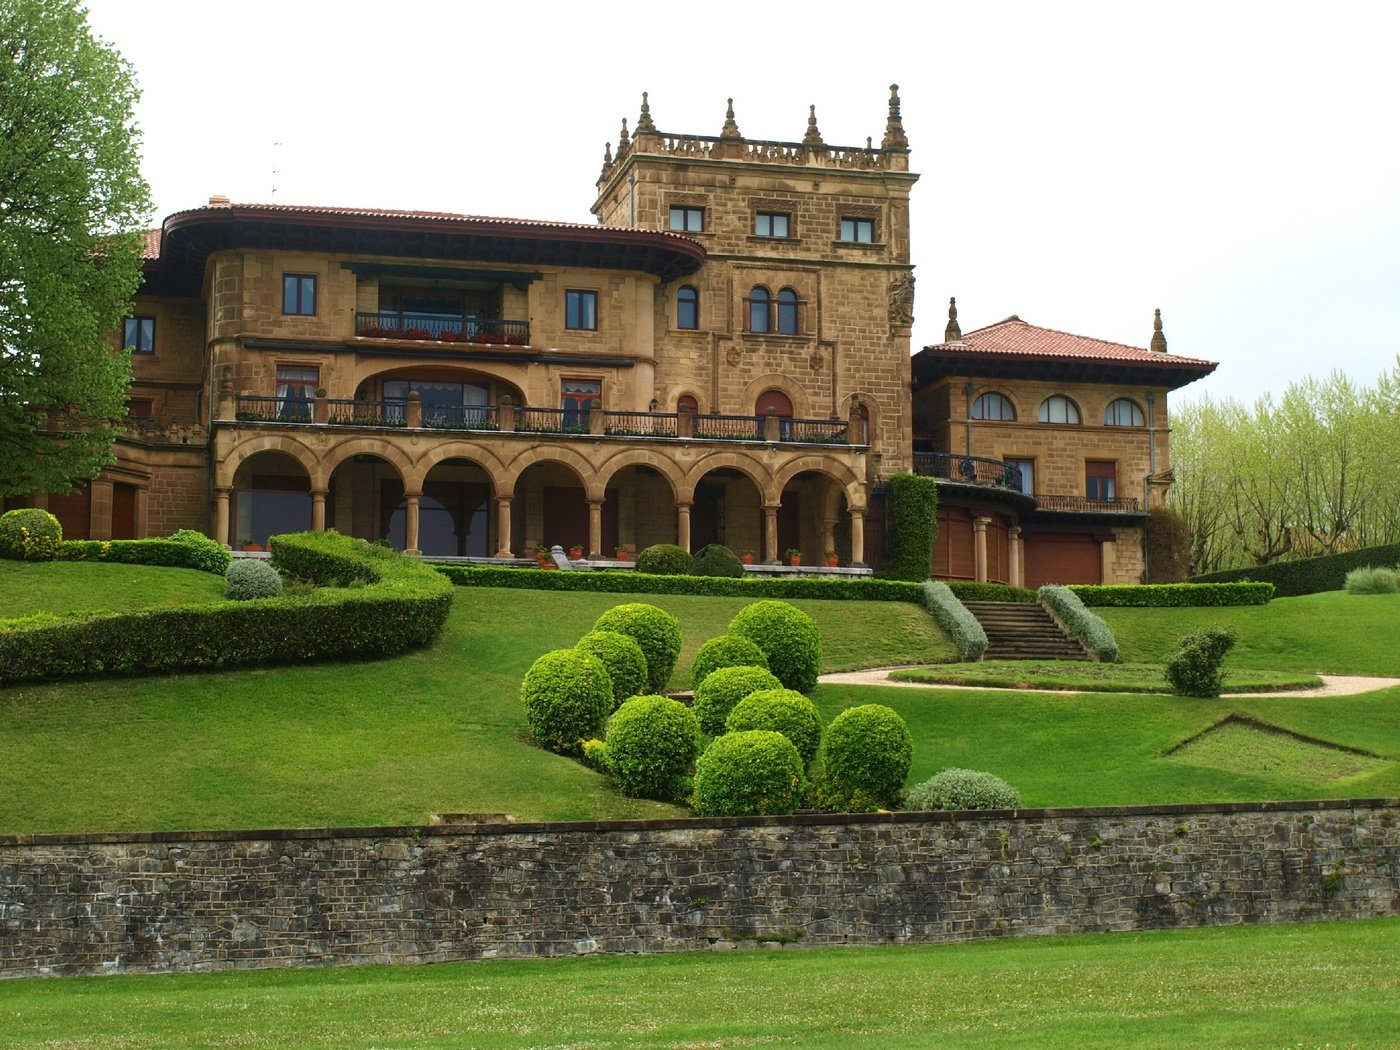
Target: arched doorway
365,490
774,402
454,512
271,494
728,509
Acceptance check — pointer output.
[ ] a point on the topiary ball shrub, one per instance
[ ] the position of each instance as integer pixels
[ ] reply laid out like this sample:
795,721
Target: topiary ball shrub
783,711
624,659
567,696
1194,669
1372,579
715,559
754,772
664,559
787,636
29,534
250,578
655,630
210,555
723,688
963,789
867,752
728,650
651,743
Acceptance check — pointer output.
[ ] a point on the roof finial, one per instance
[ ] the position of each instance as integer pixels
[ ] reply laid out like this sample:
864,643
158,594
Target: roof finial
644,124
607,162
730,129
1159,341
814,135
894,126
952,333
623,139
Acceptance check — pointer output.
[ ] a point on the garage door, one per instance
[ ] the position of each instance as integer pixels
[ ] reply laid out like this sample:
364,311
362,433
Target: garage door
1052,558
953,555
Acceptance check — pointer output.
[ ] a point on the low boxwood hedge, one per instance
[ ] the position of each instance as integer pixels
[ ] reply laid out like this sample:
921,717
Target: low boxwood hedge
953,616
1088,627
1173,595
398,605
170,554
1308,575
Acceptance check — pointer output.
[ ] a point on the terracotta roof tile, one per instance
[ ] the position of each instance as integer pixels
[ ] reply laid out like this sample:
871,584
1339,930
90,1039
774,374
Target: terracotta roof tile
151,249
1014,337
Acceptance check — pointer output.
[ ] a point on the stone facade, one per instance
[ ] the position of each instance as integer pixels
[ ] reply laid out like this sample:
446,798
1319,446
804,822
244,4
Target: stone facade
224,900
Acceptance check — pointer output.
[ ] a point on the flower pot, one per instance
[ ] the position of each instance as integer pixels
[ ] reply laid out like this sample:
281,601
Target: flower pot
575,553
832,563
621,554
794,559
252,546
746,558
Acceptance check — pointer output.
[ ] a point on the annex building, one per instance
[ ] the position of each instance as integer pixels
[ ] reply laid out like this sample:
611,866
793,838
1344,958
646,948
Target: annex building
723,357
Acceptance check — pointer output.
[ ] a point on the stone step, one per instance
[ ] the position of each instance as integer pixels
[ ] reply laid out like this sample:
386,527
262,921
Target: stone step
1018,631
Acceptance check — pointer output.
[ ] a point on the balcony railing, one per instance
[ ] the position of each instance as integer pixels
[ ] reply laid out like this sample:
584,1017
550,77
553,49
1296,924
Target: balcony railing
641,424
1088,505
344,413
252,409
970,470
396,324
729,428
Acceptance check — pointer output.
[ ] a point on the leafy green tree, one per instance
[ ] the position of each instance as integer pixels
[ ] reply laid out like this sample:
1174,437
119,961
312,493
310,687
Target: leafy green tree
72,208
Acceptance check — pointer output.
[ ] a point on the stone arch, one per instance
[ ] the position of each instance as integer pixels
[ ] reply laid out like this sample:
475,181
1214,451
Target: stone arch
1003,392
579,464
637,457
872,407
747,465
388,451
851,483
792,387
512,375
308,458
468,450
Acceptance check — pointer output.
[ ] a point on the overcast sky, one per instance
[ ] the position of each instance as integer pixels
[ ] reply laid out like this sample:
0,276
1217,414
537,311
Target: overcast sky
1236,165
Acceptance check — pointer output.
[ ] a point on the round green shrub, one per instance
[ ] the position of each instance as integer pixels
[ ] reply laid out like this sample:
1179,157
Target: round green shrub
567,696
728,650
652,740
1372,579
210,555
963,789
715,559
250,578
664,559
1194,669
754,772
716,696
624,659
783,711
29,534
868,750
655,630
787,636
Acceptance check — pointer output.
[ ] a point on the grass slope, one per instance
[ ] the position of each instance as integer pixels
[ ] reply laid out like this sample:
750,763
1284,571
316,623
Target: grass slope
1090,676
1333,984
30,587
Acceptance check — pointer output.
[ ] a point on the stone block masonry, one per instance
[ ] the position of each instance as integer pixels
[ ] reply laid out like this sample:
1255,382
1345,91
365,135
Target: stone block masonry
194,901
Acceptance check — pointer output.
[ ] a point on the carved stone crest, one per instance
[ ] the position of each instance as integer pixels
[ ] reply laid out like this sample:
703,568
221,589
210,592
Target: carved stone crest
902,300
733,356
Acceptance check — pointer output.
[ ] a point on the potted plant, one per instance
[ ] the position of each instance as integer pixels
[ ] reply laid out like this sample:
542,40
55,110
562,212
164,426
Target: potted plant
576,552
794,556
620,553
542,557
249,545
746,556
832,559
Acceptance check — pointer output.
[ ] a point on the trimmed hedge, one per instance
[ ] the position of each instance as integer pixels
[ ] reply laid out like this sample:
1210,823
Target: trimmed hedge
715,559
1088,627
623,658
1308,575
1172,595
402,605
652,740
787,636
956,620
655,630
29,534
252,578
1194,669
866,754
169,554
783,711
664,559
728,650
742,774
723,688
567,695
913,514
963,789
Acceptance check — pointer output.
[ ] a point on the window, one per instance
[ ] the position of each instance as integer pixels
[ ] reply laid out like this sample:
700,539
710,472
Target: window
688,403
138,408
1123,413
299,294
777,403
1027,469
993,407
581,310
1099,480
858,231
576,399
772,224
1059,409
139,335
687,307
787,312
296,389
760,310
450,405
686,219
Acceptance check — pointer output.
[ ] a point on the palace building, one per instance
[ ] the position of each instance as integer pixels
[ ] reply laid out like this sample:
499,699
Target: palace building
723,357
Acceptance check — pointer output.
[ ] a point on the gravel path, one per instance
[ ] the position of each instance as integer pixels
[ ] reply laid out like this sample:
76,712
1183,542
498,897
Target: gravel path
1332,684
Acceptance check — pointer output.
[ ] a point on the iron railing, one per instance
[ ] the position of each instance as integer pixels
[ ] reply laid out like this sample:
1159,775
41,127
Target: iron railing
815,431
397,324
251,408
1088,505
346,413
970,470
641,424
729,428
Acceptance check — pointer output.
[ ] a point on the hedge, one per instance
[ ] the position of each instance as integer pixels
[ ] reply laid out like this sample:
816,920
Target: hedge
170,554
1088,627
400,605
913,512
1173,595
1308,575
953,616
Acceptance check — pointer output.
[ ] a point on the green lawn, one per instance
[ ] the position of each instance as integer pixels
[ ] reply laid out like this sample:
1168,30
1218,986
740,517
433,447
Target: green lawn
30,587
1090,676
1325,984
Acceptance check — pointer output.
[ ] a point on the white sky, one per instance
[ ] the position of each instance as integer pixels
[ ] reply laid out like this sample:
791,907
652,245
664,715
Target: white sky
1236,164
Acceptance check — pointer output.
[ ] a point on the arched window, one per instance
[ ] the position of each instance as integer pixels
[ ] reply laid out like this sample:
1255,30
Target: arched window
1059,409
687,403
1123,413
776,400
760,310
787,312
994,407
687,307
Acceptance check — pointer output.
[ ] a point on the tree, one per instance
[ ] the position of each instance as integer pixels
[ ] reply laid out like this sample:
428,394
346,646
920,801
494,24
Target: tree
72,208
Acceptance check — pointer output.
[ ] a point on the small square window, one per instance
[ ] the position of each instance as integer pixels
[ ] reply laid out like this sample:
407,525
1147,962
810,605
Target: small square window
138,408
687,220
299,294
858,231
772,224
1099,480
139,335
581,310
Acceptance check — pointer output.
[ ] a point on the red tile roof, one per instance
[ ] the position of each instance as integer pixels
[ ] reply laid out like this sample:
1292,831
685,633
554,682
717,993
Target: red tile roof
151,249
1014,337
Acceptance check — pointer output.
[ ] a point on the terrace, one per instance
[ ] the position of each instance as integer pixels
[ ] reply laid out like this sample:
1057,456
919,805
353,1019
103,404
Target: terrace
993,473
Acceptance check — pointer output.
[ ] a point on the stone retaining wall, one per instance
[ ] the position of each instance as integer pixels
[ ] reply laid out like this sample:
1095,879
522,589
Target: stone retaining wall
220,900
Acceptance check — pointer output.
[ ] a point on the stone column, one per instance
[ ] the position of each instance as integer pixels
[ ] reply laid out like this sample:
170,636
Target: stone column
595,527
410,524
770,533
413,416
979,547
318,510
829,538
858,536
221,516
1013,555
503,527
683,525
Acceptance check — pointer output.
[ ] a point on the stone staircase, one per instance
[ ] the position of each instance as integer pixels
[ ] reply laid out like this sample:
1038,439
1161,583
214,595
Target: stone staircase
1017,631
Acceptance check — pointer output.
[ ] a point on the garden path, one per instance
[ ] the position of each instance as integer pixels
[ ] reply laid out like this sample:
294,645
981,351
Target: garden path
1332,684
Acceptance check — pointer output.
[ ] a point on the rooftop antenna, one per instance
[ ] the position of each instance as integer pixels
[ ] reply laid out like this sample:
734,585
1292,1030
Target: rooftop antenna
275,169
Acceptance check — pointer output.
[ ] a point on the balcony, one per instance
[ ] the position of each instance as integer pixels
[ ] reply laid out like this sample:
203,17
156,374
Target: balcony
1086,505
393,324
968,470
